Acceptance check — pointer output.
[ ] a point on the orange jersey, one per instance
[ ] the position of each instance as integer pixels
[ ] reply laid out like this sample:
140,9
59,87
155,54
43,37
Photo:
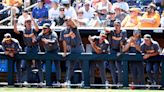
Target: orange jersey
156,23
130,21
12,2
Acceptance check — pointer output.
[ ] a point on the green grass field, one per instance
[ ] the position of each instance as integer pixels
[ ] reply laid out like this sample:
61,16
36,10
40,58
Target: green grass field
70,90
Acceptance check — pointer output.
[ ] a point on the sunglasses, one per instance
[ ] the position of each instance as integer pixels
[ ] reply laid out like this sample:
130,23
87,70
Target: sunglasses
116,25
61,9
80,12
28,21
45,28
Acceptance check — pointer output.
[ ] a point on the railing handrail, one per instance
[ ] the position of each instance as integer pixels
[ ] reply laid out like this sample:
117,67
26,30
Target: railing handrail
7,8
85,57
91,28
22,55
8,18
31,6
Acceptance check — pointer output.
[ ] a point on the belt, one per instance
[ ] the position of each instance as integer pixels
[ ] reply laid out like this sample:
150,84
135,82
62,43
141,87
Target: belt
75,45
32,46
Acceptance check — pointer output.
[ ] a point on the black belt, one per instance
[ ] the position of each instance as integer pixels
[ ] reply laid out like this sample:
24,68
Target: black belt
75,45
32,46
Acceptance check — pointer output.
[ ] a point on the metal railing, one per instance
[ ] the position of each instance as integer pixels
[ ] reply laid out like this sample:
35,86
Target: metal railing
85,57
11,15
59,28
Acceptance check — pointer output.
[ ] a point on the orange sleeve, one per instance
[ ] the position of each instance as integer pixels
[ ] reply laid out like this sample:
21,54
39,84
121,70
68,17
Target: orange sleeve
157,18
19,2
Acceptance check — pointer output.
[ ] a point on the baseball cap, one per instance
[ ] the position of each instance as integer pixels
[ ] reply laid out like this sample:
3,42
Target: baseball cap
7,36
55,1
79,11
147,36
117,7
46,25
61,7
102,8
65,1
111,12
87,2
39,0
103,33
117,22
136,32
28,19
152,5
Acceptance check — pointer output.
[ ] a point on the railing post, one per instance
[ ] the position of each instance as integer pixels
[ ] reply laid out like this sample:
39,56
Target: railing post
12,15
86,74
162,79
125,73
10,72
48,72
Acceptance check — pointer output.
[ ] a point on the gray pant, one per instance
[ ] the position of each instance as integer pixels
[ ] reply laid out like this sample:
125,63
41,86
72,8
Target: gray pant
101,69
70,68
28,70
137,72
58,70
116,66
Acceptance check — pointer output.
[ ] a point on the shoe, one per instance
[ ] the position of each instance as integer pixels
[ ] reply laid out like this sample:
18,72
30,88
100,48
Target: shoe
41,84
58,84
25,83
132,87
106,84
67,84
82,84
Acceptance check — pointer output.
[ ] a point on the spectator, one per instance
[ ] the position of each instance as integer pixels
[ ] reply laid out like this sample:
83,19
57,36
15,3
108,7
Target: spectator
133,19
102,13
94,3
136,67
54,10
151,49
94,22
104,3
77,4
40,13
88,10
162,20
69,10
81,21
111,17
71,42
48,3
23,17
59,21
122,4
99,46
11,47
15,4
117,39
151,18
158,3
50,42
119,14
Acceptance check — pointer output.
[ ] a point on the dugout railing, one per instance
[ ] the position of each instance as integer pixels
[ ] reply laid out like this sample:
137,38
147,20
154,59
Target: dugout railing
86,58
